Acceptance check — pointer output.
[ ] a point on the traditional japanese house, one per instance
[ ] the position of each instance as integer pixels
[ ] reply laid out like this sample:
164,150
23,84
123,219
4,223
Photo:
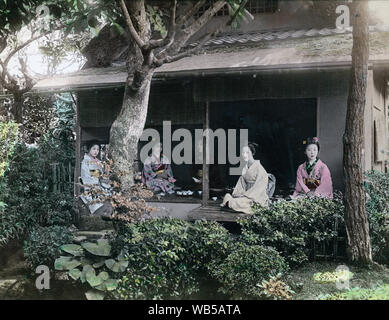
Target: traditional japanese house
284,77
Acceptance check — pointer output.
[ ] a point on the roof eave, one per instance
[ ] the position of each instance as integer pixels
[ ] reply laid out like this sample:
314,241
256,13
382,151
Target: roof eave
160,76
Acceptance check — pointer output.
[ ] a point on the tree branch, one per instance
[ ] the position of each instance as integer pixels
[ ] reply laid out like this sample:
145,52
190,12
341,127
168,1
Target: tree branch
168,40
196,49
3,44
190,13
11,85
167,59
29,81
204,19
130,25
25,44
173,14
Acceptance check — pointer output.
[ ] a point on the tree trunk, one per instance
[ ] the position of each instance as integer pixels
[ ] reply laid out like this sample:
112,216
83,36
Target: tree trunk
357,226
128,127
17,108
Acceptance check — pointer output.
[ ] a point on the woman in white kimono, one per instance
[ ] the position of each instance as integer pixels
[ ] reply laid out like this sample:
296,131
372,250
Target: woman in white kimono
91,171
252,185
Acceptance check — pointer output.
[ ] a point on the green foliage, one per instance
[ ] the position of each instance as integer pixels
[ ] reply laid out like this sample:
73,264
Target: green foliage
244,270
92,264
38,113
377,206
291,226
156,16
168,257
332,277
15,14
83,16
378,293
101,249
42,247
29,200
27,190
57,144
8,140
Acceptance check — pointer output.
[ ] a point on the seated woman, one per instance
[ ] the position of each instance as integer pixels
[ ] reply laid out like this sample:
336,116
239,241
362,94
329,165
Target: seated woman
252,185
157,173
91,172
313,176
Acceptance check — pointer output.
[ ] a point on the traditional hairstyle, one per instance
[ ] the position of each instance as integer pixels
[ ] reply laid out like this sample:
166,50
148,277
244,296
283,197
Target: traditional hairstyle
310,141
92,143
253,147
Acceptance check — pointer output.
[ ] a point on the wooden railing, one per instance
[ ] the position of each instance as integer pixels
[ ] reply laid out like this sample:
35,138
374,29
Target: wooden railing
62,177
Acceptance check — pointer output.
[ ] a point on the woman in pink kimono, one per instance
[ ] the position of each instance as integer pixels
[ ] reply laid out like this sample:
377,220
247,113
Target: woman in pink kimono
157,173
313,176
251,187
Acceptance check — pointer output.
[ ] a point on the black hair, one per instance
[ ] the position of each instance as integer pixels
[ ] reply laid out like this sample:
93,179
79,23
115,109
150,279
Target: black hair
92,143
310,141
253,147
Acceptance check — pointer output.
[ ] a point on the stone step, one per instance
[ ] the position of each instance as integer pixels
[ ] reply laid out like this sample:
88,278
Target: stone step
94,223
10,287
86,235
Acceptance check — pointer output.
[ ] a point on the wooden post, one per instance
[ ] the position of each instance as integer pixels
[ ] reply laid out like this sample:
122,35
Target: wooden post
205,156
77,168
335,254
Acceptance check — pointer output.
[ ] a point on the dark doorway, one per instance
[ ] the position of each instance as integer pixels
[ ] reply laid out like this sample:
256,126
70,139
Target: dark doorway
278,126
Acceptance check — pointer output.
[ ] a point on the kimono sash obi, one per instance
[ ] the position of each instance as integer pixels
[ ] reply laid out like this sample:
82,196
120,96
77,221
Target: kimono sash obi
95,173
312,184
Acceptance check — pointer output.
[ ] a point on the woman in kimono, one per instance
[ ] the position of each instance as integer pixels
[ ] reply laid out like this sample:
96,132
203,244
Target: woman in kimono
313,176
91,171
157,173
251,187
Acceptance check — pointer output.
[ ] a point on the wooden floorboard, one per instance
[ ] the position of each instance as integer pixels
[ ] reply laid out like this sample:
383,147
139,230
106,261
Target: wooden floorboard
214,213
174,199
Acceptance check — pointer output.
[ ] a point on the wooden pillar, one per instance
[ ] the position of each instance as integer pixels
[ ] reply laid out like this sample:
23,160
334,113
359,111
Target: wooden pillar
77,168
205,155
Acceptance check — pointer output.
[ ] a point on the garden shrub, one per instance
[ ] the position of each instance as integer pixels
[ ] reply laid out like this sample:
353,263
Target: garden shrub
291,226
42,246
377,206
93,264
60,210
8,140
243,272
28,198
276,289
168,257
